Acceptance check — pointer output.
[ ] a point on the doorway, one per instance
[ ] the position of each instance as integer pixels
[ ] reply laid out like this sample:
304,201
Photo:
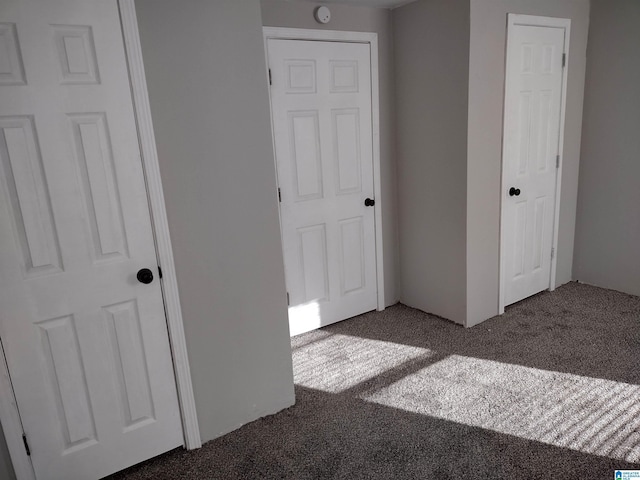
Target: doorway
83,323
324,119
535,86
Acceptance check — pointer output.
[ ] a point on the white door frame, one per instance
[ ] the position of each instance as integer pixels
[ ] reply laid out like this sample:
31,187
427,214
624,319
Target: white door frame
9,415
535,21
283,33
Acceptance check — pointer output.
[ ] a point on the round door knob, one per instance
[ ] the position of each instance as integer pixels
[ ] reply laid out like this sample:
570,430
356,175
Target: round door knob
369,202
145,276
514,192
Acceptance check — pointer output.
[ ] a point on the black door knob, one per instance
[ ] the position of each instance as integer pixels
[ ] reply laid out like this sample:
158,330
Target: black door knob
145,276
514,191
369,202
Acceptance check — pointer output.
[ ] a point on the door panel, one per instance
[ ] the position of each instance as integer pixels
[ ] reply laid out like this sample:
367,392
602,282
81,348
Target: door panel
99,187
67,377
29,198
305,152
352,252
321,104
86,343
532,131
314,266
346,141
11,66
125,338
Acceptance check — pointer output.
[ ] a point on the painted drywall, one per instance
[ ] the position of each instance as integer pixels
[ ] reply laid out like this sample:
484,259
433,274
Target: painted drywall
209,102
486,100
608,223
6,468
431,40
283,13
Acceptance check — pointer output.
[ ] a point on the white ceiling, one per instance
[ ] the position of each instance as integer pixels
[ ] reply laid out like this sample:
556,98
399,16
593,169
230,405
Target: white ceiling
369,3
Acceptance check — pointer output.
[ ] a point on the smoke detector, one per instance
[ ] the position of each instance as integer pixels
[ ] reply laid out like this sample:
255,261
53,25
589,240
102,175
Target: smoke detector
322,14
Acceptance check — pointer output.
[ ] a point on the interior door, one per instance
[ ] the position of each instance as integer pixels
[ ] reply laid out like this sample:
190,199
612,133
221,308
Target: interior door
531,156
85,339
321,104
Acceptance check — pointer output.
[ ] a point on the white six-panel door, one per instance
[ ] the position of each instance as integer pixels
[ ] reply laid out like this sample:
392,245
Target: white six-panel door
321,105
86,343
531,157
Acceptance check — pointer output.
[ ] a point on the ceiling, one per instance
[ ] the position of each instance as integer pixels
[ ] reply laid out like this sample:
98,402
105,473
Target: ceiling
369,3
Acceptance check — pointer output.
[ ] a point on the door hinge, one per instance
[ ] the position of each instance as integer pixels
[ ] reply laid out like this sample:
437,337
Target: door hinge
553,253
26,444
557,161
270,79
279,195
564,60
159,271
288,303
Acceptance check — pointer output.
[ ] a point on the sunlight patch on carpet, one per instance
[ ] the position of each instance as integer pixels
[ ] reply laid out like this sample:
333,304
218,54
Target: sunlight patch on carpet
590,415
327,366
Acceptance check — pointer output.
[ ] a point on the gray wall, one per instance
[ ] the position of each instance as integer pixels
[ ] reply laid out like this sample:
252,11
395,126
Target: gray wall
6,469
209,101
607,249
486,98
432,77
283,13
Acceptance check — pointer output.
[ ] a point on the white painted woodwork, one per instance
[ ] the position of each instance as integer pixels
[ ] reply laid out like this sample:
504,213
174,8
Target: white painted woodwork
76,54
533,100
11,66
86,343
173,310
322,121
12,425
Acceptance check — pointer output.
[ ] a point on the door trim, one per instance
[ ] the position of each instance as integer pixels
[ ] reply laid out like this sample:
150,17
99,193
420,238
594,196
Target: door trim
535,21
9,414
151,167
12,424
283,33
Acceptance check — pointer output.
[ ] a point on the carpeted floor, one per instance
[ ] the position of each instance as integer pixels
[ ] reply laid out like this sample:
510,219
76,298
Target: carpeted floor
549,390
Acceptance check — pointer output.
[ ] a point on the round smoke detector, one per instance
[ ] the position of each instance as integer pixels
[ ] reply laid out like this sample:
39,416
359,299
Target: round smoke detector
322,14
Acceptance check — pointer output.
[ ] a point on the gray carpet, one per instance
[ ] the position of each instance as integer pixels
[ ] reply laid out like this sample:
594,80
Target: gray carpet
549,390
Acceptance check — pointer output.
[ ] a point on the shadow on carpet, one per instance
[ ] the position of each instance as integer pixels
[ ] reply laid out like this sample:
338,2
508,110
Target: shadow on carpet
548,390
